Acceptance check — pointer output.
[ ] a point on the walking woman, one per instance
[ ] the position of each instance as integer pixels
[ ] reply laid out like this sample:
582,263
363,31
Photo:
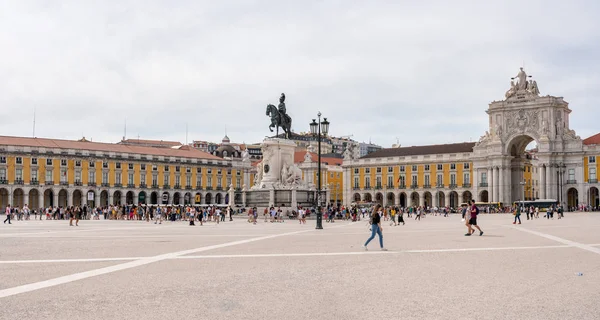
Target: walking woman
518,215
376,227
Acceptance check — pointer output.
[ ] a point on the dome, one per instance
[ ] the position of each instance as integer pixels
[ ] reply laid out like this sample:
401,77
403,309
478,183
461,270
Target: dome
225,139
226,151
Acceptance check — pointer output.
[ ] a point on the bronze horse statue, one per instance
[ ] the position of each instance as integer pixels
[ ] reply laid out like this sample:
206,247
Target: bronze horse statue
279,120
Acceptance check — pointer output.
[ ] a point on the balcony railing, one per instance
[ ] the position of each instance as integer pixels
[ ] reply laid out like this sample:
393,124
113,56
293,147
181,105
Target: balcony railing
199,187
439,185
483,184
367,187
378,187
188,187
49,183
219,188
208,188
34,182
466,185
105,184
3,181
414,186
166,186
155,186
118,185
356,188
91,184
78,183
64,183
177,186
143,185
592,180
131,185
402,186
571,181
19,181
453,186
427,186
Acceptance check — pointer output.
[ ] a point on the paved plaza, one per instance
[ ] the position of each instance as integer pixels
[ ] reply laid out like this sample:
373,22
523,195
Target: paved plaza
236,270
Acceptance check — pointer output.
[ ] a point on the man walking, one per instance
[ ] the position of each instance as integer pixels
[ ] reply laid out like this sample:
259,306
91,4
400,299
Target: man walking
8,213
473,220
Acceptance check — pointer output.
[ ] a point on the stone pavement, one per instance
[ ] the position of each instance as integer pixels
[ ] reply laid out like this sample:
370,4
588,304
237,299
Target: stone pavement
235,270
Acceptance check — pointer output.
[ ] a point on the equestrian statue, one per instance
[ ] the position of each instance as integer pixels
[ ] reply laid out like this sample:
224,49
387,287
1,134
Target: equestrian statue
280,118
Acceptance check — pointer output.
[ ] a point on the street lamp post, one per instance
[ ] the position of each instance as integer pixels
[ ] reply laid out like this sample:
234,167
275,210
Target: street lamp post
317,128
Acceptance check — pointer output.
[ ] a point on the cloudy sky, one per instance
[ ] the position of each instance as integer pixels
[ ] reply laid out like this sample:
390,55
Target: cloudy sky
422,72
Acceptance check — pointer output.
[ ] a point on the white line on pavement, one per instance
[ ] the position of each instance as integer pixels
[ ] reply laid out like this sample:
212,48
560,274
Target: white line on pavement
274,255
561,240
128,265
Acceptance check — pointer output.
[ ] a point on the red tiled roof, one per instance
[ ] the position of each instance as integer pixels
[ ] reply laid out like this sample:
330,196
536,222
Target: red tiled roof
595,139
299,157
422,150
151,142
105,147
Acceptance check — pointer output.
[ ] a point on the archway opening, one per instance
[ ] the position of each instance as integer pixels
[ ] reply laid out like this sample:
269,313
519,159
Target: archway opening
91,199
198,198
428,199
154,197
129,197
379,198
165,198
403,199
356,197
441,197
208,198
176,198
572,198
390,199
104,198
63,198
594,199
414,199
453,199
4,201
367,197
77,198
483,196
467,196
522,174
49,198
218,198
187,198
142,197
34,199
18,198
117,198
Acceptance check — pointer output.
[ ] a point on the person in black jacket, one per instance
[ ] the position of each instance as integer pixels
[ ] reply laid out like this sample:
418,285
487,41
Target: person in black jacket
376,227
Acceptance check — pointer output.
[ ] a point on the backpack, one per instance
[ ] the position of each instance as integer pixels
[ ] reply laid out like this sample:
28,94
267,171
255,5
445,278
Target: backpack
476,210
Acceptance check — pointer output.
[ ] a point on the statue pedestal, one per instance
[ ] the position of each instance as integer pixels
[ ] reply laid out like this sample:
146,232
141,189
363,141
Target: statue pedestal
279,181
277,153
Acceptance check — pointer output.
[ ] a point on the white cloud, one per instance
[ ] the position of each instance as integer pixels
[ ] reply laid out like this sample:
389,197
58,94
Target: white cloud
423,72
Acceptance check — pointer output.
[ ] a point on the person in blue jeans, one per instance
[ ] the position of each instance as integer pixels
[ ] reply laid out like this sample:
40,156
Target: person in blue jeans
376,227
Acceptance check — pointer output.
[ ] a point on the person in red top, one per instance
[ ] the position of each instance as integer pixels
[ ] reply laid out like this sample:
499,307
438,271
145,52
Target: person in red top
474,211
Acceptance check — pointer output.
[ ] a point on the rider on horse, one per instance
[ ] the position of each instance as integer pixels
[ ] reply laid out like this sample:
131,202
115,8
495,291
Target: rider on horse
282,111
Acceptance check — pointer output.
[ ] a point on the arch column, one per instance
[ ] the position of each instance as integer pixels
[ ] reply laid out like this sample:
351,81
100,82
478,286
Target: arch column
110,198
70,198
26,198
123,198
41,199
447,199
55,196
497,184
548,182
502,184
97,198
491,184
543,181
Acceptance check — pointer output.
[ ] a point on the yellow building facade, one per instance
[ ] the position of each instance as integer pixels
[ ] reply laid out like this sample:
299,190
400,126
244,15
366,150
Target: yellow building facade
48,172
